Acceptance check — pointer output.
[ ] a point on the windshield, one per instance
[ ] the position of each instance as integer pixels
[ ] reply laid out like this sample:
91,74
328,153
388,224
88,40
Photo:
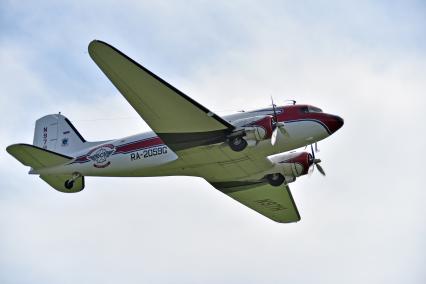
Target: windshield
310,109
314,109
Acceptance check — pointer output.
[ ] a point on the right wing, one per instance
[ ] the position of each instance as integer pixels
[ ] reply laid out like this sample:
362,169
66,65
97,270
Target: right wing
177,119
274,202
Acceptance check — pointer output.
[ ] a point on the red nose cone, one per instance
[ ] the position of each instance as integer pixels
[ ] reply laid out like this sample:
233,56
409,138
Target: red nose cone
334,123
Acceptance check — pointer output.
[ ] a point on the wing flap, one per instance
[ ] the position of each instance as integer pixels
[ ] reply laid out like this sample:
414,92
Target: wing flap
273,202
174,116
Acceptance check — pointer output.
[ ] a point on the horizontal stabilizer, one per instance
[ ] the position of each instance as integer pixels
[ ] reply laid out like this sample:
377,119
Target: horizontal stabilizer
35,157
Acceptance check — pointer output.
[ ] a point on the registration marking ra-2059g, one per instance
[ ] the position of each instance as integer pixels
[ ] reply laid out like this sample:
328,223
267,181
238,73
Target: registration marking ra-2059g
146,153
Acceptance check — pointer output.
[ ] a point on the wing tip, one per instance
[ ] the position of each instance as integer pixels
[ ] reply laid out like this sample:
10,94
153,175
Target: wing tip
286,221
95,44
14,147
96,41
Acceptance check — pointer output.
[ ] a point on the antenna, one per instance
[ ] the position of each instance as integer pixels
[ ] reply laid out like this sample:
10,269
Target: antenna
275,120
293,102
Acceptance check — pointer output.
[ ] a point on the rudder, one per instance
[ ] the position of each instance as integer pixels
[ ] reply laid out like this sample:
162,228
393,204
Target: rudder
56,133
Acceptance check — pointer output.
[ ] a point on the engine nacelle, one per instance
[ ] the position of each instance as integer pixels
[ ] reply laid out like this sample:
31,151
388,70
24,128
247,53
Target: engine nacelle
255,133
256,128
293,165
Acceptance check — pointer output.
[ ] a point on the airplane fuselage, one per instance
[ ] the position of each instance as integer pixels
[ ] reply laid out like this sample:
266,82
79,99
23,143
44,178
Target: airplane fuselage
146,154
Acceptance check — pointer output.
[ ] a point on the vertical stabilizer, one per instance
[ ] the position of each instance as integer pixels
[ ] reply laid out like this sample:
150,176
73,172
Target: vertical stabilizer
56,133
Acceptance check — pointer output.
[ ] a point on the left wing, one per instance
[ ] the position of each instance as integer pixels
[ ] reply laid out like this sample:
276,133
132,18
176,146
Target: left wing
274,202
177,119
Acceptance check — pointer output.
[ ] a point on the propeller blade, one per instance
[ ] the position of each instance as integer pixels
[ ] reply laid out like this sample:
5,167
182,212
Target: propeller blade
320,169
311,170
279,127
273,108
316,147
315,162
277,134
282,127
274,136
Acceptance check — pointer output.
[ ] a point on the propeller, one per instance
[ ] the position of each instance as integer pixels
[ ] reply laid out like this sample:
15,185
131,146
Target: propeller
278,127
314,161
276,134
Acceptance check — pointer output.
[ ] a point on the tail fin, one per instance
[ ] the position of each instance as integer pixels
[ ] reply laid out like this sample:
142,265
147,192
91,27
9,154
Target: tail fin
56,133
55,142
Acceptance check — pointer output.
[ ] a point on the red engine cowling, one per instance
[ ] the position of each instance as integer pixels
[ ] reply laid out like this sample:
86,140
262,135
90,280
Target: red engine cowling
256,128
301,163
266,124
293,164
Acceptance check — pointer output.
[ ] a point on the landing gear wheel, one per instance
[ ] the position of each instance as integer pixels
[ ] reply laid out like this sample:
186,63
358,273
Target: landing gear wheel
69,184
276,179
237,144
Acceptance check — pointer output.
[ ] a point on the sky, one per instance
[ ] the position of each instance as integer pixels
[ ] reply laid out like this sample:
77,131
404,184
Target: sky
362,60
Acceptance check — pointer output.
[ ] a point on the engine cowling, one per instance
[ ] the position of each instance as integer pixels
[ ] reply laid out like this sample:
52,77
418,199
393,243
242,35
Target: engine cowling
256,128
293,165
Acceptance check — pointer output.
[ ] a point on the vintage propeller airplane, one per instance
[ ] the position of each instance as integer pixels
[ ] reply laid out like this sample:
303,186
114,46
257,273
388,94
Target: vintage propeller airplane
247,156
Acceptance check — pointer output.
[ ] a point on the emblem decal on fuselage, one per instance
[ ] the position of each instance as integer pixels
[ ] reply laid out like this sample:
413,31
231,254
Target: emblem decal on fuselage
100,155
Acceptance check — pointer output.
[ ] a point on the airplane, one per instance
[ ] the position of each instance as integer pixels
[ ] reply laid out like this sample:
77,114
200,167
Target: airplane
249,156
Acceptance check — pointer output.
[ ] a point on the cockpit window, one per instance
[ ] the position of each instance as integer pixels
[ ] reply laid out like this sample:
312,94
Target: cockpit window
314,109
310,109
304,109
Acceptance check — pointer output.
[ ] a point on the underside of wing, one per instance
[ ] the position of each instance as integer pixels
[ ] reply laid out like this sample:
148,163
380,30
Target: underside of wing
177,119
274,202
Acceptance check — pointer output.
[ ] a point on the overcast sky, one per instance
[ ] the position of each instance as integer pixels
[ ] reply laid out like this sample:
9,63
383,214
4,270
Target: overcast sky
363,60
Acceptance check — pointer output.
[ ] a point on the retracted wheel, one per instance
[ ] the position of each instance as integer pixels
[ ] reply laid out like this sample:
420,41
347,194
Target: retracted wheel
69,184
237,143
276,179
